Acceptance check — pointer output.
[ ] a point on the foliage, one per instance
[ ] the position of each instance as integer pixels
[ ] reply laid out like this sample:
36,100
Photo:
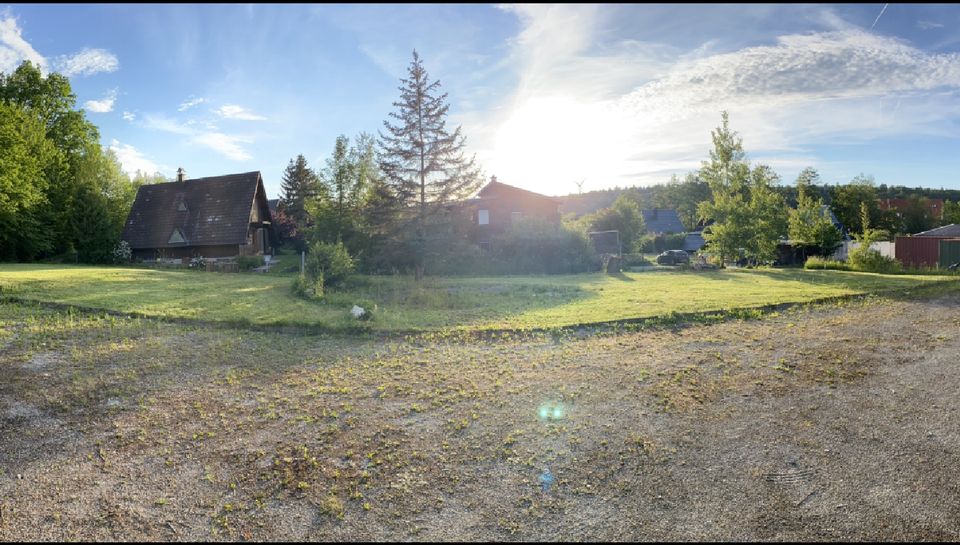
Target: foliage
308,288
68,196
846,201
951,212
247,262
623,216
122,253
300,185
423,162
536,246
817,262
329,264
748,214
661,242
864,258
198,263
810,223
683,196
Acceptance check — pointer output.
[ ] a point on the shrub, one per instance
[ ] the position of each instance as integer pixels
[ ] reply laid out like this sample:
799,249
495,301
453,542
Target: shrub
247,262
865,259
308,288
814,262
122,253
329,263
535,246
198,263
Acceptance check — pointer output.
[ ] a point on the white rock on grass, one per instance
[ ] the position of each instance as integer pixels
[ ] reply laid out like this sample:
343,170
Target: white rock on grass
357,312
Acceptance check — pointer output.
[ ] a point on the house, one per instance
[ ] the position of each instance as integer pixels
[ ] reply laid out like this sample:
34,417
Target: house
923,249
214,217
662,220
933,207
498,206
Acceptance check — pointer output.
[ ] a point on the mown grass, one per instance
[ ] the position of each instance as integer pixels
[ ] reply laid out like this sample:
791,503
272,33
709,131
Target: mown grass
521,302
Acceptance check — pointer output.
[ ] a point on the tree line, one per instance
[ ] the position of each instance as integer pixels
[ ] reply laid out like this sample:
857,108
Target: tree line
62,195
394,200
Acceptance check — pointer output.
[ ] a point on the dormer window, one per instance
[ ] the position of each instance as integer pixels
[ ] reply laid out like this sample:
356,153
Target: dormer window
179,202
177,237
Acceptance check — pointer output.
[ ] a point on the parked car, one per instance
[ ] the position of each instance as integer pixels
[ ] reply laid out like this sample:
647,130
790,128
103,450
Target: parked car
673,257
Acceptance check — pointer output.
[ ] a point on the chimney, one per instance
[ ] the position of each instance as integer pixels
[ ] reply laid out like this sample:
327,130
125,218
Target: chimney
181,174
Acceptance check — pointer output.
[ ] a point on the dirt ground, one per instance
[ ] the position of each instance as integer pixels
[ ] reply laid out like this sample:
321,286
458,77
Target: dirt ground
831,422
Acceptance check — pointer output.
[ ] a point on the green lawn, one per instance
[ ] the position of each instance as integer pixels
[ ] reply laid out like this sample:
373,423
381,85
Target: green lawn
402,304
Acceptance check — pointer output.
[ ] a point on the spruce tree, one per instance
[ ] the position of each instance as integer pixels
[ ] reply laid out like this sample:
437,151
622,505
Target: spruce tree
300,184
422,161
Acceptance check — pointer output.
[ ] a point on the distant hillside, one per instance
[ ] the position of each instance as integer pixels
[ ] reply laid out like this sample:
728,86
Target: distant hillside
586,203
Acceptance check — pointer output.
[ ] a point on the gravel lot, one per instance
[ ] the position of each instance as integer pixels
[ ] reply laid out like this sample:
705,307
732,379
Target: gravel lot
834,422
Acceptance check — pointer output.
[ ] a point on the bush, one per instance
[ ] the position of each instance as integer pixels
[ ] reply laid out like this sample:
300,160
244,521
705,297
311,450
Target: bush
122,253
865,259
247,262
815,262
329,263
198,263
659,243
535,246
635,260
306,288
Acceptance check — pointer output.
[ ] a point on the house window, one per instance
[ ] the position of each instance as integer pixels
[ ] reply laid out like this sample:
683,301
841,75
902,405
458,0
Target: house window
514,217
484,246
176,237
483,217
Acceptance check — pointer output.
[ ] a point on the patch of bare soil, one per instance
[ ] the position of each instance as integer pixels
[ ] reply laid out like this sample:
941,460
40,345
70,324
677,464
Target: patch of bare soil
838,422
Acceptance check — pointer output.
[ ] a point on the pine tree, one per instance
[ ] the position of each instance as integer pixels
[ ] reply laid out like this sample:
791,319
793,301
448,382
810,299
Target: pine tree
423,162
300,184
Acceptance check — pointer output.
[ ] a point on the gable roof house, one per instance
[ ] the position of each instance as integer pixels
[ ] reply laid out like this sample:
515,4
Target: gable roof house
217,216
498,206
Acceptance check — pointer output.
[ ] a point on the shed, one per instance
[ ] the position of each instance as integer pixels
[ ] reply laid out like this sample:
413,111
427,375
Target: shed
949,252
923,249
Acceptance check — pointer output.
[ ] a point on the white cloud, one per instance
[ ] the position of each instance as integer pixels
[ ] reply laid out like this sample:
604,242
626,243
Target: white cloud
227,145
87,63
131,159
103,105
190,103
14,49
232,111
129,116
624,113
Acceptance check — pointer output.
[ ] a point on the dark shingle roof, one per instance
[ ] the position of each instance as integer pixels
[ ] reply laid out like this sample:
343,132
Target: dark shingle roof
952,230
216,210
662,220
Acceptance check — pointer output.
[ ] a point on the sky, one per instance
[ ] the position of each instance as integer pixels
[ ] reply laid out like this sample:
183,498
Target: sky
548,96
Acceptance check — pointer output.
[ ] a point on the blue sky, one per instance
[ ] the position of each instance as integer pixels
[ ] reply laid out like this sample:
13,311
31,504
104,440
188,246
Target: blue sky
547,95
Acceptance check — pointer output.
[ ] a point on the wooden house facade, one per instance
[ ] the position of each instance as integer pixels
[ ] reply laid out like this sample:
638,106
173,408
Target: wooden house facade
213,217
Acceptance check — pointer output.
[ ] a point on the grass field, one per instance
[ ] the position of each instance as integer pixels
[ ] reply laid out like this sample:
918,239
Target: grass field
402,304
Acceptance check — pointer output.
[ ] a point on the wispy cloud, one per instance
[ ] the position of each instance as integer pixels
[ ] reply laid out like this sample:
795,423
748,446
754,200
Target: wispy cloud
103,105
190,103
652,113
87,63
229,146
132,159
14,49
232,111
928,25
129,116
